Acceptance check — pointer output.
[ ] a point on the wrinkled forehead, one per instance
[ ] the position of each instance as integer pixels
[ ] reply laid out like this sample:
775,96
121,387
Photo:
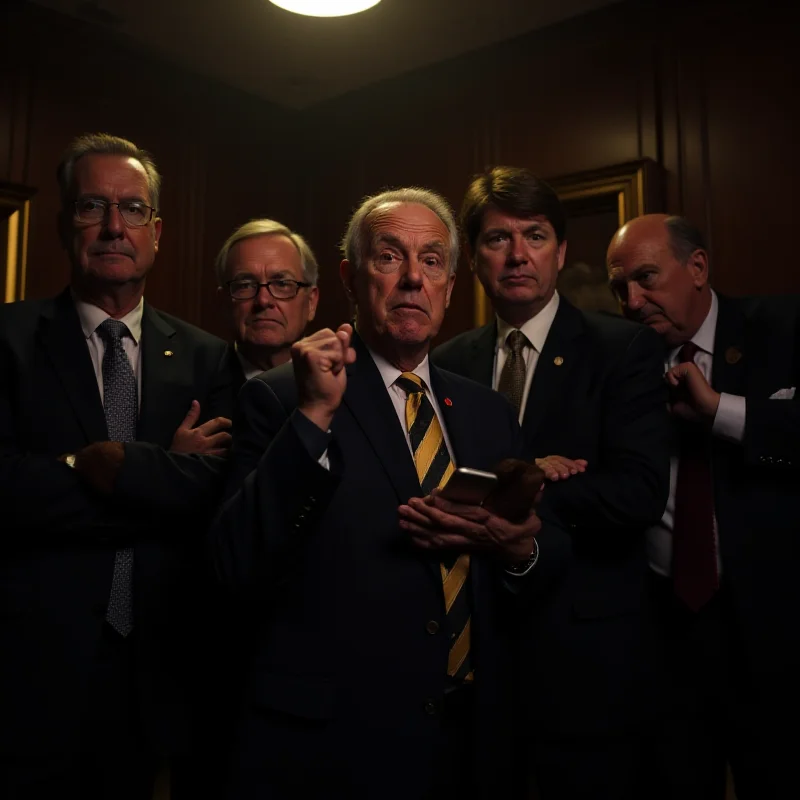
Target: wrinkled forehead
411,223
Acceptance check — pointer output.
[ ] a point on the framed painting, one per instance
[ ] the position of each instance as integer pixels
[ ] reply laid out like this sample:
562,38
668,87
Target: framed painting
15,207
596,203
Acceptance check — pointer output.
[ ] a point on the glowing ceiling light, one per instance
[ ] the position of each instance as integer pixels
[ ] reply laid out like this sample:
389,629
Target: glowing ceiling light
325,8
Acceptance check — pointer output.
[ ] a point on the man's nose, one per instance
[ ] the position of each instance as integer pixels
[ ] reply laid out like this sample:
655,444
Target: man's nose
412,276
113,224
635,297
263,298
517,252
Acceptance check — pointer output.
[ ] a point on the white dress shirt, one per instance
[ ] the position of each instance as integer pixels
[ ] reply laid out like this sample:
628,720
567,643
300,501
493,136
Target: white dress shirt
535,330
91,317
728,424
398,396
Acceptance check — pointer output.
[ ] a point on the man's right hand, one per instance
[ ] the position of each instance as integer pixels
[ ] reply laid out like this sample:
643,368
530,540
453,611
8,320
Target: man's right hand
209,439
319,362
560,468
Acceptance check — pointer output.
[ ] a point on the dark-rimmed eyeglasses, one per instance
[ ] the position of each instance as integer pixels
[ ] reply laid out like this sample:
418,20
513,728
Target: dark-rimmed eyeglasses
279,288
94,209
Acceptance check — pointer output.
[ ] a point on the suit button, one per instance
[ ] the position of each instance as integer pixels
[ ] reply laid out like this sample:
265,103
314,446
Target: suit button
432,627
430,708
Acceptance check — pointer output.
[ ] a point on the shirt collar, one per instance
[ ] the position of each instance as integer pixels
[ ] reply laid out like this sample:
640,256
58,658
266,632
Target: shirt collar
91,317
706,333
390,373
535,329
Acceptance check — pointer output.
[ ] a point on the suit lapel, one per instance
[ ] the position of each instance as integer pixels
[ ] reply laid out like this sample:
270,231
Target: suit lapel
556,361
166,373
369,403
480,365
458,418
729,362
62,338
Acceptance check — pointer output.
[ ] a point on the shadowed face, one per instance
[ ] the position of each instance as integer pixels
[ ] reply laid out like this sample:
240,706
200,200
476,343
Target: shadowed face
110,251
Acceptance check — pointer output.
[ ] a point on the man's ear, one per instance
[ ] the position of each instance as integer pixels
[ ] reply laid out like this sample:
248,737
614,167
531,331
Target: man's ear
313,299
698,267
347,272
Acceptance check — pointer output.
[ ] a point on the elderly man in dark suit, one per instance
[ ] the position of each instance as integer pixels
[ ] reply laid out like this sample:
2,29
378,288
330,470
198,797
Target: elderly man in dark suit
724,554
591,400
379,609
267,281
104,487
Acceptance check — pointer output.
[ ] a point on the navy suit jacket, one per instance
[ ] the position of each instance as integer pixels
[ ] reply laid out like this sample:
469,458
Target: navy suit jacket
598,393
349,672
756,482
59,537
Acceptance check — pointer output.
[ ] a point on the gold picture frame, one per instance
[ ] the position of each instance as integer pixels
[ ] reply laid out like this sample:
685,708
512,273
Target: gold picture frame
15,211
621,191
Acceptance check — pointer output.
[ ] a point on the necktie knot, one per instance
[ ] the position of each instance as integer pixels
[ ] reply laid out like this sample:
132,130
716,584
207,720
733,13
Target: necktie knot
688,352
112,330
410,383
516,340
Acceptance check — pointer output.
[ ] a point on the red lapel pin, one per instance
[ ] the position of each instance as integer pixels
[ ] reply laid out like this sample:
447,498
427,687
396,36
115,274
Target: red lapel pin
448,401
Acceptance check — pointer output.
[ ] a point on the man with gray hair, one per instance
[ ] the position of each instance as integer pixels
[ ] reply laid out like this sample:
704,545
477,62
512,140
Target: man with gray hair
267,279
105,483
379,663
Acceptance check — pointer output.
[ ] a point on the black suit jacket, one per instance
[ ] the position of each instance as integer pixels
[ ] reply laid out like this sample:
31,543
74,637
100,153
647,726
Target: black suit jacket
59,537
756,354
598,393
348,672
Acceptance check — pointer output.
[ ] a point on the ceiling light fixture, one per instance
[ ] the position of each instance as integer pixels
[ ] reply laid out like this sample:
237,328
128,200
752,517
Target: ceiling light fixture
325,8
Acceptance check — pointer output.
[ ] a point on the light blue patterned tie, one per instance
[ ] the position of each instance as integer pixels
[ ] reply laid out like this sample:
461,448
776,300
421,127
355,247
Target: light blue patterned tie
120,401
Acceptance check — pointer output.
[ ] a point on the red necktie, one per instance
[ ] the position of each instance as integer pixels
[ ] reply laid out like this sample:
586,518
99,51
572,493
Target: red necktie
694,551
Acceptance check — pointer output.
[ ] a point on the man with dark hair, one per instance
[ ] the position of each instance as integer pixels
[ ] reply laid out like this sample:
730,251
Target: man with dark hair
591,400
723,556
380,619
105,481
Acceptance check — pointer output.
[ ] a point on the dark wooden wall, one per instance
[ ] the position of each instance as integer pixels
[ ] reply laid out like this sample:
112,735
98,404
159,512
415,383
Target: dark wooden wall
705,88
223,155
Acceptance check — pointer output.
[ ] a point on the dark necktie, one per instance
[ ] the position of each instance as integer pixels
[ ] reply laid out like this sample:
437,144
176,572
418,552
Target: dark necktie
694,552
434,467
512,377
120,402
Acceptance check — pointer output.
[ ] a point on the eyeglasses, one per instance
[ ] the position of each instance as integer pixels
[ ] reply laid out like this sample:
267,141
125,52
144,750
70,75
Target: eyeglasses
280,288
134,213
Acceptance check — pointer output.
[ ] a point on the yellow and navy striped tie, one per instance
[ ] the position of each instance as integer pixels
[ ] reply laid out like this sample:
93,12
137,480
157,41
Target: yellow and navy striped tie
434,467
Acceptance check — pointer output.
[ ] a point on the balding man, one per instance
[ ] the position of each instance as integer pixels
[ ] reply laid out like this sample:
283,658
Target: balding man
724,556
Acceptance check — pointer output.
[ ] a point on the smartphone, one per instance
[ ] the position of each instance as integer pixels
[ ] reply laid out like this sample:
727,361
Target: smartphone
469,486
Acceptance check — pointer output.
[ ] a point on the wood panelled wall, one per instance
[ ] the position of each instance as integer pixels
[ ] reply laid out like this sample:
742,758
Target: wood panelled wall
223,154
705,88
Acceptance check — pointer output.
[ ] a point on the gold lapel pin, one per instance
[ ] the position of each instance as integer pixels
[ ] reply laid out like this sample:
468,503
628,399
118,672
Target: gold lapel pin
558,361
733,355
168,353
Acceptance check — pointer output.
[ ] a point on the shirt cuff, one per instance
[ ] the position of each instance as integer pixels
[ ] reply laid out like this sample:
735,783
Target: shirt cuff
729,420
315,440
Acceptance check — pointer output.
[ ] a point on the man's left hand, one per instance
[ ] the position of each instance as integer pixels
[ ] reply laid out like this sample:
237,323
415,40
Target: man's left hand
438,524
99,463
692,397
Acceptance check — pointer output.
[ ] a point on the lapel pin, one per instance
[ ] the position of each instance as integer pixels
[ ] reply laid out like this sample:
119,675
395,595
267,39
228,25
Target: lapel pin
733,355
168,353
448,401
558,361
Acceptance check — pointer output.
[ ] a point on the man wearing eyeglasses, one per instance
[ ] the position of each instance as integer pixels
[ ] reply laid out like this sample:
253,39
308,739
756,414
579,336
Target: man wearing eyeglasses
267,278
105,482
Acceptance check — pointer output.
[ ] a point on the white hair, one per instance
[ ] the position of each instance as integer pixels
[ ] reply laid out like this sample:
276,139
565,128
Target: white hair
353,243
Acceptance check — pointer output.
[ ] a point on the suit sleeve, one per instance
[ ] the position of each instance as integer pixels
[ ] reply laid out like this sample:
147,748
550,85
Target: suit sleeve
38,492
174,483
629,486
772,427
275,496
